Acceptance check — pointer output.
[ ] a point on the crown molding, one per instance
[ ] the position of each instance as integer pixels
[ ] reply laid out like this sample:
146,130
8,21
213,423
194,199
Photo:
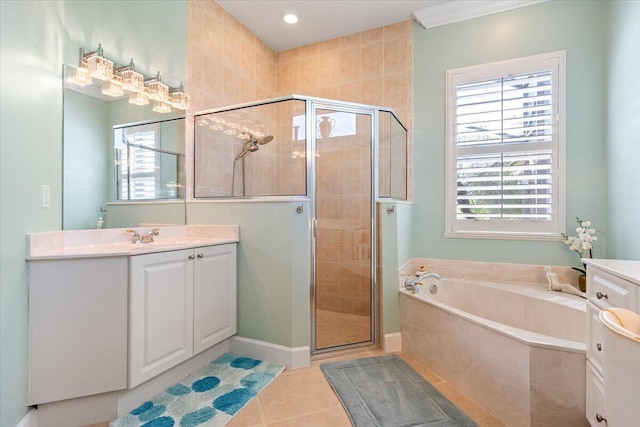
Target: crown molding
462,10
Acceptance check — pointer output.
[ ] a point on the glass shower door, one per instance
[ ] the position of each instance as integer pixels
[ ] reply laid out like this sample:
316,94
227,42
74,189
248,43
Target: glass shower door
343,245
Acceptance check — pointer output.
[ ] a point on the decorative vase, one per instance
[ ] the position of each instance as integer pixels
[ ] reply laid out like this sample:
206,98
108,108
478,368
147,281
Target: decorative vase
582,283
325,126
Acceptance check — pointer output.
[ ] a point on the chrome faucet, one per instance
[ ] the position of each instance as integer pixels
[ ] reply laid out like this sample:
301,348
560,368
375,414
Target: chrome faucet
412,284
136,238
145,238
148,238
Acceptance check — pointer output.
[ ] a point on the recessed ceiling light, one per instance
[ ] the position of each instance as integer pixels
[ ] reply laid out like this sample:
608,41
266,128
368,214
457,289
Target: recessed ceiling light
290,18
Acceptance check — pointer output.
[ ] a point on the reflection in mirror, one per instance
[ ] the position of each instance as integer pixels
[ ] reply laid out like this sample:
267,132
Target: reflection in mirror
93,174
148,163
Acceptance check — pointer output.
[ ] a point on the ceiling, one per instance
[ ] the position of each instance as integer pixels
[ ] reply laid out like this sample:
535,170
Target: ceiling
318,19
327,19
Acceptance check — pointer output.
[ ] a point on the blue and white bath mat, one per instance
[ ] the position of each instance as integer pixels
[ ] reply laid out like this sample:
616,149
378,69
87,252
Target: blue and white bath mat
208,397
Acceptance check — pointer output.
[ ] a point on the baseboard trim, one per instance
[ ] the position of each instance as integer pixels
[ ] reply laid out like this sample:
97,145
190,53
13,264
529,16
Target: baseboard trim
291,357
392,343
29,420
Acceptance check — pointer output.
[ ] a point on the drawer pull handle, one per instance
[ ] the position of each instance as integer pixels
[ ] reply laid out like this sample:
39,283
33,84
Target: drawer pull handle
599,346
192,257
600,418
200,255
600,295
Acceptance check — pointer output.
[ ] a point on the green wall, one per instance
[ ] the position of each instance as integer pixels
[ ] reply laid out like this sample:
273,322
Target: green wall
86,180
36,38
273,266
623,129
30,156
395,234
574,26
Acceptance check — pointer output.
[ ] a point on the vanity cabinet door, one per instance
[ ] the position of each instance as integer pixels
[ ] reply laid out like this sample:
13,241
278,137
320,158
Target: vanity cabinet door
77,327
214,295
160,312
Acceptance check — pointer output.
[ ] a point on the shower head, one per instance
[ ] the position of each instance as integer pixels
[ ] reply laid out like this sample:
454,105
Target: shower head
265,140
252,145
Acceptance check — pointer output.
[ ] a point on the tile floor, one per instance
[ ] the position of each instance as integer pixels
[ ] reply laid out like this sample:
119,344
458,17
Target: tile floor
303,397
334,328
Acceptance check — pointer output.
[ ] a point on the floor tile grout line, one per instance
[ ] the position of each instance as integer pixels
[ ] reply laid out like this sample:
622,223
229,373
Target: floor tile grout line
338,405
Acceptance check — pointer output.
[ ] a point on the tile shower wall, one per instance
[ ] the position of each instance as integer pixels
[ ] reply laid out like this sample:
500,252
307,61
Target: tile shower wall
226,65
371,67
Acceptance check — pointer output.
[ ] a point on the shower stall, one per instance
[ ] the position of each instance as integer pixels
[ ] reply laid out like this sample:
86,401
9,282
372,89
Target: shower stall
341,157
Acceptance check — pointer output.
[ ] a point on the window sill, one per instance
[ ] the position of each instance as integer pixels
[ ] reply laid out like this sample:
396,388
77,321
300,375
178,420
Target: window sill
502,236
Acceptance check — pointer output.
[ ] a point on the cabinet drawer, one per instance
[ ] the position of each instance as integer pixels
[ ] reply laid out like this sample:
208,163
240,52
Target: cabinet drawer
606,290
595,398
594,337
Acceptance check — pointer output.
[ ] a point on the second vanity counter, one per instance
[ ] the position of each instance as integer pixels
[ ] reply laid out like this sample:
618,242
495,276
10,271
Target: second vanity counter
118,241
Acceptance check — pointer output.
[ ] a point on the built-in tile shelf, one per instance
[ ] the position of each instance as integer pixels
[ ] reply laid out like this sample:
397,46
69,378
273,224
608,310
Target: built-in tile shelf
117,241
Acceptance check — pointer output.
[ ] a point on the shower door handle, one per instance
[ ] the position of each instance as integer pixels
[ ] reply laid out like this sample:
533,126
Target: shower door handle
314,228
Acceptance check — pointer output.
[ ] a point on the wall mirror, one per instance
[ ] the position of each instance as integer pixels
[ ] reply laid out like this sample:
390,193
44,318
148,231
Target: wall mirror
123,163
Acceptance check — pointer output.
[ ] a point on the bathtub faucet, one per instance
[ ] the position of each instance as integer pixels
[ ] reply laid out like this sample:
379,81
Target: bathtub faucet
412,284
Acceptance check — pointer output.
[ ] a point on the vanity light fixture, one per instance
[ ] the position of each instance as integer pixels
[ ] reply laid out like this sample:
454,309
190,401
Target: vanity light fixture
179,99
81,77
157,90
290,18
132,81
118,79
161,106
98,66
139,98
112,87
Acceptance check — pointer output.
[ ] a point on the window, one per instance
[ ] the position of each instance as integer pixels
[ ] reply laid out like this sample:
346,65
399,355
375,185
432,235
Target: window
505,149
148,164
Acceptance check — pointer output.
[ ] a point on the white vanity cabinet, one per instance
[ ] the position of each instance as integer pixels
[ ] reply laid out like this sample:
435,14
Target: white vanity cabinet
180,303
77,327
610,283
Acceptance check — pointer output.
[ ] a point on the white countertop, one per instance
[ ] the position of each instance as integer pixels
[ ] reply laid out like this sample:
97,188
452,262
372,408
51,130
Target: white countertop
117,241
626,269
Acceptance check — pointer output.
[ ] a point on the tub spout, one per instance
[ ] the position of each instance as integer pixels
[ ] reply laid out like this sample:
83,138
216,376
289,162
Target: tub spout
412,284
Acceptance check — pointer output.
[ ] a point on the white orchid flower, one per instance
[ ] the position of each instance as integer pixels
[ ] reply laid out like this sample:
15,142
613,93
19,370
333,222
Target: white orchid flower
583,242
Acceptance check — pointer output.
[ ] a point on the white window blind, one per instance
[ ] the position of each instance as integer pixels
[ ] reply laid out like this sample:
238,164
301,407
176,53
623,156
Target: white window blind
503,146
137,163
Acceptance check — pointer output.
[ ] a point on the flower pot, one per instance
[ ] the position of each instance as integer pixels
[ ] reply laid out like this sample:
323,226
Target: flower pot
582,283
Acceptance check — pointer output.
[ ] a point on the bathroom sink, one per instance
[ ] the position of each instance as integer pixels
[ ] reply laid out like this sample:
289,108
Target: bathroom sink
118,241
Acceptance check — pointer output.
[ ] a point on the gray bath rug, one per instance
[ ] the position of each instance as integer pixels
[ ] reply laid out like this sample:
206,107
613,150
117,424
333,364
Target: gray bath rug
384,391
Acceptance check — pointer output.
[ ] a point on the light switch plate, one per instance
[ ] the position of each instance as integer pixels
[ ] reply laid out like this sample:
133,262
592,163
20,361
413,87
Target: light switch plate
46,196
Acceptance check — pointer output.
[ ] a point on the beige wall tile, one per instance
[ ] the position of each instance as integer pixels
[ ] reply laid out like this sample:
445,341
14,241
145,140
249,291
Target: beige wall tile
395,91
398,29
349,65
372,60
395,55
308,50
371,36
227,64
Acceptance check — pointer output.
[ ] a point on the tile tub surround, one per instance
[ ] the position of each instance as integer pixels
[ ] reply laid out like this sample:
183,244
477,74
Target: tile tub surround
492,271
117,241
523,378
